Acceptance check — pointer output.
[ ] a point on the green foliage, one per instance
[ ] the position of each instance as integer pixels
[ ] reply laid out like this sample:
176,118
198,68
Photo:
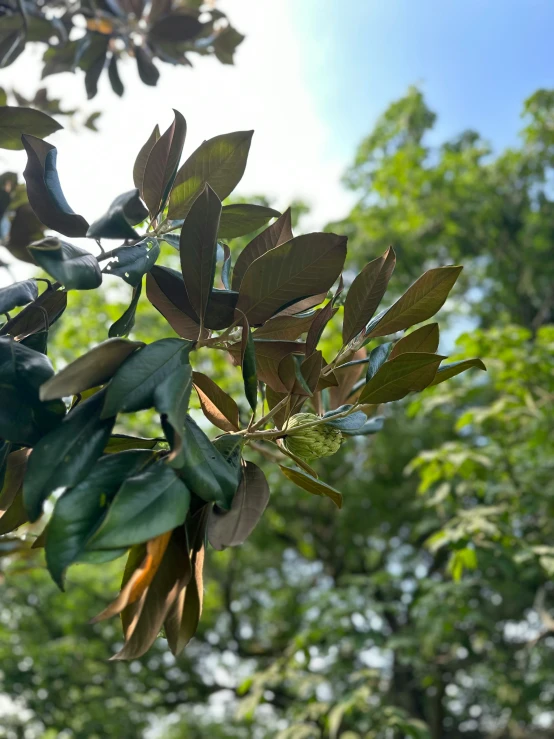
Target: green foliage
160,498
165,31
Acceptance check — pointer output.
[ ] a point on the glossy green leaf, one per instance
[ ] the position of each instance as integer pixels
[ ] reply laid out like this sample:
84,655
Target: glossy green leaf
243,218
305,266
19,293
44,190
131,263
133,386
94,368
219,162
81,509
66,455
365,294
420,302
423,339
171,400
124,324
15,121
232,528
71,265
146,505
276,234
311,485
405,373
198,247
455,368
125,212
204,469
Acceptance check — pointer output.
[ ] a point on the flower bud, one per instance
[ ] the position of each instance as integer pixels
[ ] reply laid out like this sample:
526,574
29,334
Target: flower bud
313,442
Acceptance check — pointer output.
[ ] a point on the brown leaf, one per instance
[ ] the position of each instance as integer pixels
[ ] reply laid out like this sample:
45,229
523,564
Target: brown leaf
287,328
162,164
424,339
410,372
274,235
268,356
218,407
142,158
168,296
347,378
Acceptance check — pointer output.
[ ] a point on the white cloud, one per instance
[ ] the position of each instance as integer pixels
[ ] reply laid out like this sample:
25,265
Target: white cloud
292,153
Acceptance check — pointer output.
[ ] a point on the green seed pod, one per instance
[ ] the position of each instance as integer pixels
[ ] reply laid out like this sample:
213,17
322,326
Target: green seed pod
313,442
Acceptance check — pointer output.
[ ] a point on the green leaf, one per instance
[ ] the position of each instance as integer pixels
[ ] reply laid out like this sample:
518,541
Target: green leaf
80,510
204,469
248,364
365,294
147,505
124,325
148,72
405,373
94,368
171,399
95,67
353,422
38,316
19,293
15,121
226,267
424,339
175,27
23,418
162,164
44,190
123,443
311,485
276,234
377,357
420,302
131,263
74,267
11,513
243,218
125,212
455,368
165,289
115,79
218,407
142,159
219,162
371,427
305,266
232,528
198,247
66,455
133,386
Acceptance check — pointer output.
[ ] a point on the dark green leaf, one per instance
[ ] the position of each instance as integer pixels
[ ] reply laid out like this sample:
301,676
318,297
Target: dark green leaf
123,443
74,267
81,509
420,302
94,368
124,325
243,218
126,211
146,505
15,121
133,386
455,368
219,162
365,294
175,27
204,469
95,67
132,262
38,342
148,72
171,400
66,455
405,373
377,357
198,247
115,79
20,293
276,234
44,190
248,365
302,267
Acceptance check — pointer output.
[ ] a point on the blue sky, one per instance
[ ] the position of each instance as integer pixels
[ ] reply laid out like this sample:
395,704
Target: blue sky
311,78
476,60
